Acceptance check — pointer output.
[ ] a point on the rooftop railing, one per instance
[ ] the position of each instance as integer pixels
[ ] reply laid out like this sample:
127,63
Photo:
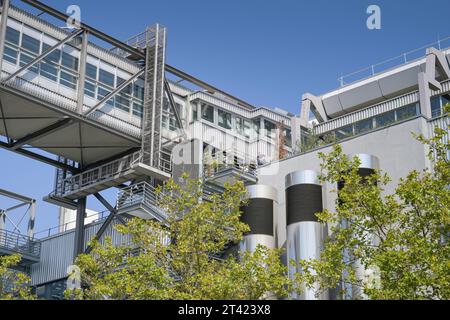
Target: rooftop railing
391,63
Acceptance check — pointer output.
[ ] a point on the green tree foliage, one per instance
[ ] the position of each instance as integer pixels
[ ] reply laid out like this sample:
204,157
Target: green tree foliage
14,285
401,240
189,266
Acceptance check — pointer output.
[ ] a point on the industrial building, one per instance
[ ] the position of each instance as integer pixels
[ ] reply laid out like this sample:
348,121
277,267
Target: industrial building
121,117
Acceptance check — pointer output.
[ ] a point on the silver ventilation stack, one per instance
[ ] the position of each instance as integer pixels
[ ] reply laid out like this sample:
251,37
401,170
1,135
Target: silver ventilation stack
259,215
369,164
305,234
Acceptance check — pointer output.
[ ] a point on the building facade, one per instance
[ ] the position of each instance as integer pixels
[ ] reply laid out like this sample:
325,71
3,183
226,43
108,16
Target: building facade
118,118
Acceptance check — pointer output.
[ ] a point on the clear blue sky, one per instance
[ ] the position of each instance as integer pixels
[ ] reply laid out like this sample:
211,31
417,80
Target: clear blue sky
264,51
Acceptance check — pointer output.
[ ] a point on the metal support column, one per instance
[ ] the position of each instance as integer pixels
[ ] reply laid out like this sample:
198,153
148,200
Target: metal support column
32,218
154,95
3,25
2,220
82,68
79,227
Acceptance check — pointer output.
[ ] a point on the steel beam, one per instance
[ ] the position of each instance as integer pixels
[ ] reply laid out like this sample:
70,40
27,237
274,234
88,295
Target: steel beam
43,55
79,228
114,92
16,196
173,106
82,76
41,133
39,157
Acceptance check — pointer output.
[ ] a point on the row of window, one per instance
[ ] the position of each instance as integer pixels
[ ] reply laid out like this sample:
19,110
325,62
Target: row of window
369,124
242,126
438,103
61,67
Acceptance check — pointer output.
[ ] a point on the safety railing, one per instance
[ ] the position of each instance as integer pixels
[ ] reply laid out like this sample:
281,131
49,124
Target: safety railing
18,243
391,63
108,171
232,159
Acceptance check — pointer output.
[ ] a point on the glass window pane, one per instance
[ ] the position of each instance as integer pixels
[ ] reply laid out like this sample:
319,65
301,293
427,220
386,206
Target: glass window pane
435,107
344,132
224,119
269,127
89,89
11,55
288,136
25,59
103,93
91,71
247,128
106,77
49,70
122,102
68,80
364,126
406,112
385,119
54,56
138,110
69,61
257,125
12,36
445,100
30,43
239,126
207,113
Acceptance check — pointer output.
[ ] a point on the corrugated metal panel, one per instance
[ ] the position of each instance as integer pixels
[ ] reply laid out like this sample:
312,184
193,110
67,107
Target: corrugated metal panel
57,252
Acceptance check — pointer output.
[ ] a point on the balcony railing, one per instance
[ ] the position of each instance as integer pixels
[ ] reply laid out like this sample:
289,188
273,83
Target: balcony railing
11,243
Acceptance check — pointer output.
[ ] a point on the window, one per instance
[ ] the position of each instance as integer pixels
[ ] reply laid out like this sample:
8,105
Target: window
239,126
436,107
269,127
138,92
49,71
194,112
102,93
138,110
406,112
122,102
288,136
31,44
257,125
25,59
54,56
69,61
127,89
224,119
364,126
247,128
12,36
207,113
445,100
68,80
344,132
106,78
91,71
89,89
11,55
385,119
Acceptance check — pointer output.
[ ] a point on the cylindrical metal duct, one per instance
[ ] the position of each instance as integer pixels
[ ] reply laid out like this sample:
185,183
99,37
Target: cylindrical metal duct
259,215
369,164
305,235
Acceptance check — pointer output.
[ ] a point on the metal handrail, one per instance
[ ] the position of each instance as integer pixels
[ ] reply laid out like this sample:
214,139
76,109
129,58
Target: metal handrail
230,159
402,60
19,243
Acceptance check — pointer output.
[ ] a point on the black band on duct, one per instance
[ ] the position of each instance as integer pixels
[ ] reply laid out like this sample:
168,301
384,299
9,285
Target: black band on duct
258,214
303,201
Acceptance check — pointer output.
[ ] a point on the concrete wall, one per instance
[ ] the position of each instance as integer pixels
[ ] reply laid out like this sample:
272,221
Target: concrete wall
398,151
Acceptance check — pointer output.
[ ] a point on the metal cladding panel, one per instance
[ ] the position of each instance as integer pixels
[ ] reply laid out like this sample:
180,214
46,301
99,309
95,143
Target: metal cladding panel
251,242
303,202
407,79
351,99
304,242
57,252
258,214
